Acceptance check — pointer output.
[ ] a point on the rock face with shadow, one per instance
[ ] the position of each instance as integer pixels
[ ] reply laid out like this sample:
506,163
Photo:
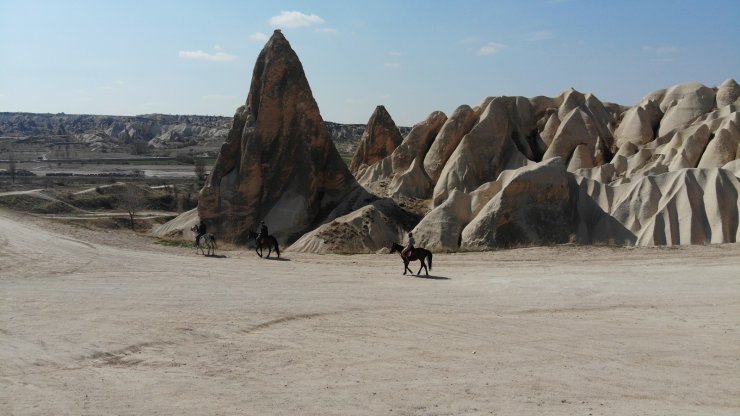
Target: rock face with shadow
380,139
278,163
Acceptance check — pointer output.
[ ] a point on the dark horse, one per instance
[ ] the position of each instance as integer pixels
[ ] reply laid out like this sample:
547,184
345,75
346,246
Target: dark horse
416,254
270,242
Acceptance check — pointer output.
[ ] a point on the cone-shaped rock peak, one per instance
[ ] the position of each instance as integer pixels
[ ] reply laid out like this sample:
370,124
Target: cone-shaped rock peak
278,163
380,139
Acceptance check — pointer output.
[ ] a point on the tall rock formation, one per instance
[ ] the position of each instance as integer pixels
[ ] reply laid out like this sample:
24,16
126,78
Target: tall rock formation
278,163
380,139
452,132
483,153
413,147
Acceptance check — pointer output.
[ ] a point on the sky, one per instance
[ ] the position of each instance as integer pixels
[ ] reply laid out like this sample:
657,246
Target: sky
412,56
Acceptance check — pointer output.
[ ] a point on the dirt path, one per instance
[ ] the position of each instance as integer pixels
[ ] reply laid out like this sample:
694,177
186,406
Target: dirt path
97,324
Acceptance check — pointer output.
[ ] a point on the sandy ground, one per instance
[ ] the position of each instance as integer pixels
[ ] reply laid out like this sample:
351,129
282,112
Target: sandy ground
112,324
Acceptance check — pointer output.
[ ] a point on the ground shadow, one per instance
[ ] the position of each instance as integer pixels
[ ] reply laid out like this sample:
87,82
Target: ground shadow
432,277
215,256
276,259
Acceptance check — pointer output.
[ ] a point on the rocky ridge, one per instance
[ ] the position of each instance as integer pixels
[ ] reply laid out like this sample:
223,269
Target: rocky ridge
528,171
510,171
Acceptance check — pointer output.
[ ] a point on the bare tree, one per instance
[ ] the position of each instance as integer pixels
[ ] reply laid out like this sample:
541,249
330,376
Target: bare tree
200,170
133,200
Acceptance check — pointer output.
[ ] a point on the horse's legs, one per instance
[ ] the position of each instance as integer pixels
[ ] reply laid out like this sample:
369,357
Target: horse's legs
269,251
423,266
257,250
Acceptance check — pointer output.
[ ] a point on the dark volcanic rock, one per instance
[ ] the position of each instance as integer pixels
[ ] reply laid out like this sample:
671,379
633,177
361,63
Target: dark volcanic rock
380,139
278,162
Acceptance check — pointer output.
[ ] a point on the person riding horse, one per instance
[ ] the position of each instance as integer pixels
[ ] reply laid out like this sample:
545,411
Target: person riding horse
263,239
262,233
200,231
409,249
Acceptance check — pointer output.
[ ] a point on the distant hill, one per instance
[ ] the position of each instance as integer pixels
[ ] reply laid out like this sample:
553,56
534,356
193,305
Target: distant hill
159,131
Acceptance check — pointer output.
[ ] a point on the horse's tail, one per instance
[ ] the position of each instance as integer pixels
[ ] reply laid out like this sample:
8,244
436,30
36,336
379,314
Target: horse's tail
277,247
430,260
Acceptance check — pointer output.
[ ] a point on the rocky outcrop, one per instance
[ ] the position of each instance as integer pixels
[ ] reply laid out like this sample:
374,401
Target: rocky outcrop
414,146
278,163
688,206
459,124
482,153
534,206
728,93
684,103
725,147
639,125
179,227
366,230
380,139
441,229
413,183
417,142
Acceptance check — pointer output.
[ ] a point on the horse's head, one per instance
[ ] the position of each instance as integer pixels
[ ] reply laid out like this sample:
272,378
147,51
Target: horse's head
396,248
194,228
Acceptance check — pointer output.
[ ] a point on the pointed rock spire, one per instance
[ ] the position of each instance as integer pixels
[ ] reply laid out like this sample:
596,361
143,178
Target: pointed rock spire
278,163
380,139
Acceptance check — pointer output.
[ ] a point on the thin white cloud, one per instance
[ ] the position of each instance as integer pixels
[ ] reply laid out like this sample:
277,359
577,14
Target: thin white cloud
666,49
385,97
327,30
395,53
490,48
468,40
217,47
217,97
660,50
258,36
539,35
110,87
205,56
392,65
295,19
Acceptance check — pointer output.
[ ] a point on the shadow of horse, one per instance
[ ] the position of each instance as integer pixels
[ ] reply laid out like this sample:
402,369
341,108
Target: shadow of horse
432,277
277,259
215,256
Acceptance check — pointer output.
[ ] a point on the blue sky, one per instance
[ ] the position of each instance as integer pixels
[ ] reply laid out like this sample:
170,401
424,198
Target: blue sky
414,56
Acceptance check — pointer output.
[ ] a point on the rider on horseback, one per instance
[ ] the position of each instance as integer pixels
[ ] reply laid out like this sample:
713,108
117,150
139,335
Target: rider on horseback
409,247
262,233
200,230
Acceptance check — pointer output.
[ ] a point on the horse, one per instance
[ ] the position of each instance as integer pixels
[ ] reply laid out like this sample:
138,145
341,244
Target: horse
270,242
209,241
417,253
